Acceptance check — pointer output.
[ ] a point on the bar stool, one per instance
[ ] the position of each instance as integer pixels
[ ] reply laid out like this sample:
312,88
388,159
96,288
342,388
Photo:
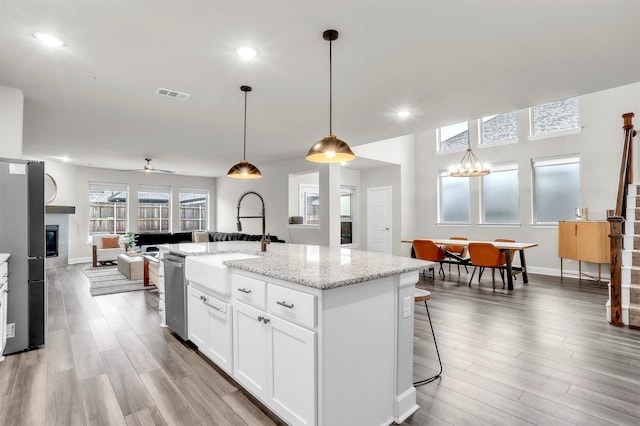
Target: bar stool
421,295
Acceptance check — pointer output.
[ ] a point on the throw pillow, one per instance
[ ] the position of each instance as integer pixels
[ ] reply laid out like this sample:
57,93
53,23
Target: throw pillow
200,237
110,242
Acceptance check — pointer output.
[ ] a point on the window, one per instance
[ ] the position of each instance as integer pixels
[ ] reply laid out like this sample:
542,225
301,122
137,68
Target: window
554,116
454,199
310,204
154,208
193,209
499,128
107,208
500,196
556,189
455,136
347,214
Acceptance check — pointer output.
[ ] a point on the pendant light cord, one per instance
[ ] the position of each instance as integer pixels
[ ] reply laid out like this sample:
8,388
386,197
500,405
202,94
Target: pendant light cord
330,89
244,151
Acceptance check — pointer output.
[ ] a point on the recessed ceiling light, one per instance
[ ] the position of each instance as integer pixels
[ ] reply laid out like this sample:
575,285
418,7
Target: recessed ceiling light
246,52
49,40
403,113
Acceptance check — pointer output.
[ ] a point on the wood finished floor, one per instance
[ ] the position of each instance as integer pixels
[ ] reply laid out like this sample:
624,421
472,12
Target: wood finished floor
540,355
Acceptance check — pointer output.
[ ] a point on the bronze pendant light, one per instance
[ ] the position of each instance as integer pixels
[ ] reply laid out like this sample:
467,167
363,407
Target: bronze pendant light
330,149
244,169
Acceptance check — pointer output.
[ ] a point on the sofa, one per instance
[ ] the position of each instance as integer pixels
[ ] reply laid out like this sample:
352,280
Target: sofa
148,241
105,248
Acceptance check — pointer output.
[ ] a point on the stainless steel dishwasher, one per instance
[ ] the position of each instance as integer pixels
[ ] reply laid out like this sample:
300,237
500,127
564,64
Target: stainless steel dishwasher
175,294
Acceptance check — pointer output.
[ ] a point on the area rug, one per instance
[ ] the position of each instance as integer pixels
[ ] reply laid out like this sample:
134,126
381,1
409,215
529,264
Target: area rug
109,280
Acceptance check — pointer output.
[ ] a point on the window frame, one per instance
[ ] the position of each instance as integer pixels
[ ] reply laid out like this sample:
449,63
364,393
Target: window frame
306,190
557,133
116,218
481,141
452,150
202,221
445,174
544,162
506,167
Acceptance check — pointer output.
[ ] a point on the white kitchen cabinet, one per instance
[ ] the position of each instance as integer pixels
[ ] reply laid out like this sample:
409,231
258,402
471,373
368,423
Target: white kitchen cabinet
276,361
4,288
209,327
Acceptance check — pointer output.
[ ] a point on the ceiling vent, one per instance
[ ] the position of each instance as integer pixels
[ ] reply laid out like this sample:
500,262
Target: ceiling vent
172,94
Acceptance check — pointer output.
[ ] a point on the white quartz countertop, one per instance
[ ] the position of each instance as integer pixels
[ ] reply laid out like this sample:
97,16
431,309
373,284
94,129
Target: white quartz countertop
4,257
309,265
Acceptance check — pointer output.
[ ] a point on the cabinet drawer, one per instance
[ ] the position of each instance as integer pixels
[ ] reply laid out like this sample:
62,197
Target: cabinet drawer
248,290
292,305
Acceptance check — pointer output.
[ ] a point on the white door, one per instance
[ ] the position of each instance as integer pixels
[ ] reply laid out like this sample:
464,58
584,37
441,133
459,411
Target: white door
379,219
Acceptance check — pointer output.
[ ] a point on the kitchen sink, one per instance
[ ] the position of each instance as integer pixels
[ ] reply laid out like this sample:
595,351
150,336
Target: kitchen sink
209,272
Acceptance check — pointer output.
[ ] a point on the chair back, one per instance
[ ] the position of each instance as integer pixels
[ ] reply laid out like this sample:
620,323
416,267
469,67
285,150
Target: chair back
486,255
512,253
428,250
456,248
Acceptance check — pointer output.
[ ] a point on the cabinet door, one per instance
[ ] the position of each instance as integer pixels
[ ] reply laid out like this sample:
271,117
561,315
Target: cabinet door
292,364
250,348
219,339
568,240
197,319
593,242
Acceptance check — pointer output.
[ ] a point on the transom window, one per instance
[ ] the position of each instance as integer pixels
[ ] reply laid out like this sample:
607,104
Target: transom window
499,128
555,116
453,137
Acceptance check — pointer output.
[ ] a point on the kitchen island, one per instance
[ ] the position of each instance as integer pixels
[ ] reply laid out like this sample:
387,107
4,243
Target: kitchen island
321,336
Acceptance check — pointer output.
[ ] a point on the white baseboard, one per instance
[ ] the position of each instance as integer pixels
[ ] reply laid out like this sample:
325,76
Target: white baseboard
75,260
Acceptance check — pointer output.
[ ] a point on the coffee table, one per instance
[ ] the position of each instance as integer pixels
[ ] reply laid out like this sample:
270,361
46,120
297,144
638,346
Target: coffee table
131,267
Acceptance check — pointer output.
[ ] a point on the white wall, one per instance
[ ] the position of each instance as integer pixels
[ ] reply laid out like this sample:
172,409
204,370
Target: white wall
73,186
598,145
11,122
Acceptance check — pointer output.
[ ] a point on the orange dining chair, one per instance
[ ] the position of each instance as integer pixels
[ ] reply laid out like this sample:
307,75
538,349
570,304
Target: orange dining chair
486,255
428,250
457,252
512,254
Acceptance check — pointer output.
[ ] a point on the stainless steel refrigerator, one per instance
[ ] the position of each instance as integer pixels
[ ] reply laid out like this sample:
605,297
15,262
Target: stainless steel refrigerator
22,235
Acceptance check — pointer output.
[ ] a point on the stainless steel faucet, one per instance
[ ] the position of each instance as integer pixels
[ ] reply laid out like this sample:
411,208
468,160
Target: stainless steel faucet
264,241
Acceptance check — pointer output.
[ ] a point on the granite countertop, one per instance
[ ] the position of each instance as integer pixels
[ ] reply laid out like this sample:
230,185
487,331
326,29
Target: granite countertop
309,265
4,257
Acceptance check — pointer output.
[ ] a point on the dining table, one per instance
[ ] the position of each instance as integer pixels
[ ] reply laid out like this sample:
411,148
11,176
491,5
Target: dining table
505,247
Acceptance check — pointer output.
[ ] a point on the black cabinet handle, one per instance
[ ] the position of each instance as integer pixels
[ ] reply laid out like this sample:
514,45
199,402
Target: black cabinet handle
244,290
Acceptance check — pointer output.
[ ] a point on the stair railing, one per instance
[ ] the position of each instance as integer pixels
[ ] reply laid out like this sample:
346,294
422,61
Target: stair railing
616,221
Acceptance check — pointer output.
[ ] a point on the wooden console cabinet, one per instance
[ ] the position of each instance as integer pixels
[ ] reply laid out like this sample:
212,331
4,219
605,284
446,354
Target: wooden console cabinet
584,241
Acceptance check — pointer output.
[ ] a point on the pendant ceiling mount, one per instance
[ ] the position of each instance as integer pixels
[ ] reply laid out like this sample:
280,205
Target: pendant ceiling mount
244,169
330,149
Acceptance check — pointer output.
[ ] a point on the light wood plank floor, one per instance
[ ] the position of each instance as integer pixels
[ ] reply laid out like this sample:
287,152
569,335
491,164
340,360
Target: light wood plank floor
540,355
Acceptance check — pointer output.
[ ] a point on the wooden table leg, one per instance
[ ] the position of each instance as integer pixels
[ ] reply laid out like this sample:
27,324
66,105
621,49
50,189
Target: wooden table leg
146,271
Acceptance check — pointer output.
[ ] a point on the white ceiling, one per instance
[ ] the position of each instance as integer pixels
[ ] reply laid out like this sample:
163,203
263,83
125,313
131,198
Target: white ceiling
452,60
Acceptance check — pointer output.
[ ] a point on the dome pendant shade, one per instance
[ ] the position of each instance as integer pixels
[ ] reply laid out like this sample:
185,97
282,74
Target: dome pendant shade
330,150
244,170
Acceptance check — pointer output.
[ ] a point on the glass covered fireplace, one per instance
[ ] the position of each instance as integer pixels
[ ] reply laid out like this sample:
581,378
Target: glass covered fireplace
51,240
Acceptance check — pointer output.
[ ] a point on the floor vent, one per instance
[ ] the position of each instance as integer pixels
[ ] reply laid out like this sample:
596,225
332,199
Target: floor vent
172,94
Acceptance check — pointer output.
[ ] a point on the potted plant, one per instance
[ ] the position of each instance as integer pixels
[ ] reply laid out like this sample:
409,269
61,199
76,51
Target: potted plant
129,240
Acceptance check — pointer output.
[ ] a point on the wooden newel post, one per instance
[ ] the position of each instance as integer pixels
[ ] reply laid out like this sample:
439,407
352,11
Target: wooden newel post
628,126
615,223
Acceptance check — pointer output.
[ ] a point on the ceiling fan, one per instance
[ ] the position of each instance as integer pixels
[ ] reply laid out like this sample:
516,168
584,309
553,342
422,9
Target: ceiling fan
148,168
